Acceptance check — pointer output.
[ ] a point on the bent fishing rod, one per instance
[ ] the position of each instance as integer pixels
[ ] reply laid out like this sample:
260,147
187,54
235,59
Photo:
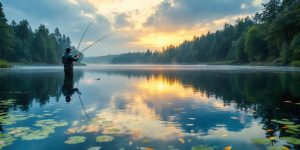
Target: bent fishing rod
87,28
99,40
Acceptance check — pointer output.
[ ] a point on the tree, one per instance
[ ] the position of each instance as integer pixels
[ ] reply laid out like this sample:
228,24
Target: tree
40,45
270,11
255,45
295,47
23,40
239,50
6,37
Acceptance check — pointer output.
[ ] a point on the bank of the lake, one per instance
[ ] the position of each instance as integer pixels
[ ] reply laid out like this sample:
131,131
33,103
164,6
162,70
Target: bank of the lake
4,64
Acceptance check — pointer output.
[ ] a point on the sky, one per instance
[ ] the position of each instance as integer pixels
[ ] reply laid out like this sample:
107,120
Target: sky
138,24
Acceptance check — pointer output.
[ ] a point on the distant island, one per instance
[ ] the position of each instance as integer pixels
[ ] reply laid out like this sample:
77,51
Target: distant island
271,37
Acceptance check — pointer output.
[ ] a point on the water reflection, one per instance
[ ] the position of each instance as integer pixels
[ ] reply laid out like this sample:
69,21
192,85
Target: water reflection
68,88
161,108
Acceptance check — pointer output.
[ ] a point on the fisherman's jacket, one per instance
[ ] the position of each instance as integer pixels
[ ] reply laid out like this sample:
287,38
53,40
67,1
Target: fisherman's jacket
68,60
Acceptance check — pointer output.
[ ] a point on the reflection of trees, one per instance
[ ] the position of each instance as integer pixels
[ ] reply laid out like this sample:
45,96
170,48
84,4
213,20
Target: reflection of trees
28,86
261,93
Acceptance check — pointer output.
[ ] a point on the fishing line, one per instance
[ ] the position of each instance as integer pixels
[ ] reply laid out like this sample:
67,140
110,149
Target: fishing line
102,38
87,28
89,119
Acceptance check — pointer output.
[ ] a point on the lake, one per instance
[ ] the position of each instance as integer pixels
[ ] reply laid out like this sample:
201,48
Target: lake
161,107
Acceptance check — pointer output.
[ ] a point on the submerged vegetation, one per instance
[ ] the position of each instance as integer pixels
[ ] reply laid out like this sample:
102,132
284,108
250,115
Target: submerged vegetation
270,37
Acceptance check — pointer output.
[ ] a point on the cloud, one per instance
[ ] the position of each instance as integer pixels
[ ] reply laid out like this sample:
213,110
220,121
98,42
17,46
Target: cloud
121,20
141,24
179,14
71,16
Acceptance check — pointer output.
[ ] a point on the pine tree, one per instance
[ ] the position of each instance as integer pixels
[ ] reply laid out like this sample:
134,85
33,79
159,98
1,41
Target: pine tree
6,37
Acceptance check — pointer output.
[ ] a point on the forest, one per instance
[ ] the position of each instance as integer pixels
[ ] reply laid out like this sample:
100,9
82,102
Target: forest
19,43
271,37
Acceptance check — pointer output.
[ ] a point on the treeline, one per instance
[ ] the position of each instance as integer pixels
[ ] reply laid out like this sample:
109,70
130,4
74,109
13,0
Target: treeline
19,43
272,36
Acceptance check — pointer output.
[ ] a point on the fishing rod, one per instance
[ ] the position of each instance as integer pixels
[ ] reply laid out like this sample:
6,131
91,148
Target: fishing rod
87,28
102,38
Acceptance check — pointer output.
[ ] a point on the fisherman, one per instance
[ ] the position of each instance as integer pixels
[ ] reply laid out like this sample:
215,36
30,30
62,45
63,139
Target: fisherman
68,61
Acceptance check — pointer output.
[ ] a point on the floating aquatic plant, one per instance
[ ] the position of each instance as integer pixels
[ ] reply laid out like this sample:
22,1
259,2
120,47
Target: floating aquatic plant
75,140
277,148
94,148
7,102
291,140
263,141
112,131
202,147
104,138
18,131
6,141
50,122
48,114
283,122
36,135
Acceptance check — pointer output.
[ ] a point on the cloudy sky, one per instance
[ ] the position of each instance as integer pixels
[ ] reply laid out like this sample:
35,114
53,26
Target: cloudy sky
141,24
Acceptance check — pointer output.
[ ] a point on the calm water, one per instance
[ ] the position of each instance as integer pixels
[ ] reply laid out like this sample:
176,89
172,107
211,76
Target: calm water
150,107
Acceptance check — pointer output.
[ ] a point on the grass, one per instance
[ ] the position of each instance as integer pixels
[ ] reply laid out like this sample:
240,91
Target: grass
4,64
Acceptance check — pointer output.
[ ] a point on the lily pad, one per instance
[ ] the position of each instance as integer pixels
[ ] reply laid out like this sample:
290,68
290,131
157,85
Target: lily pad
291,140
50,122
294,128
6,141
7,102
282,122
277,148
61,123
112,131
202,147
75,140
104,138
18,131
94,148
263,141
36,135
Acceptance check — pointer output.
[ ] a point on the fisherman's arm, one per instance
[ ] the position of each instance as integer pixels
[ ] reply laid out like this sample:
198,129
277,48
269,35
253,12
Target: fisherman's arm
76,57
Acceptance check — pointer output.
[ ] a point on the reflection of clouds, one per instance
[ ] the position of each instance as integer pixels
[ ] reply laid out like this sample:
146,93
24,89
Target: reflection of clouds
88,81
139,119
253,130
164,87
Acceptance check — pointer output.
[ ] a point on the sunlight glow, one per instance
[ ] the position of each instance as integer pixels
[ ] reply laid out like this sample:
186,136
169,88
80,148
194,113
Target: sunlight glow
140,120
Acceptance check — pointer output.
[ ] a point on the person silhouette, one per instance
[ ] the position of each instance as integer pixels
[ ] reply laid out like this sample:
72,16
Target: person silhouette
68,61
68,88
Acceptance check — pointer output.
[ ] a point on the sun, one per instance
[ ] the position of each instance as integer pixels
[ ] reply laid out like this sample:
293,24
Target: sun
160,41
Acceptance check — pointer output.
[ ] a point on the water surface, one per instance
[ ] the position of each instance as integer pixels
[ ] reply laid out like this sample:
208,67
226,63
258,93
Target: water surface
150,107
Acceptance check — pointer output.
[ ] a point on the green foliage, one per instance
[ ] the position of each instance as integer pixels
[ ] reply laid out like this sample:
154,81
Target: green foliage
271,36
295,46
296,63
255,45
6,37
270,11
4,64
20,44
